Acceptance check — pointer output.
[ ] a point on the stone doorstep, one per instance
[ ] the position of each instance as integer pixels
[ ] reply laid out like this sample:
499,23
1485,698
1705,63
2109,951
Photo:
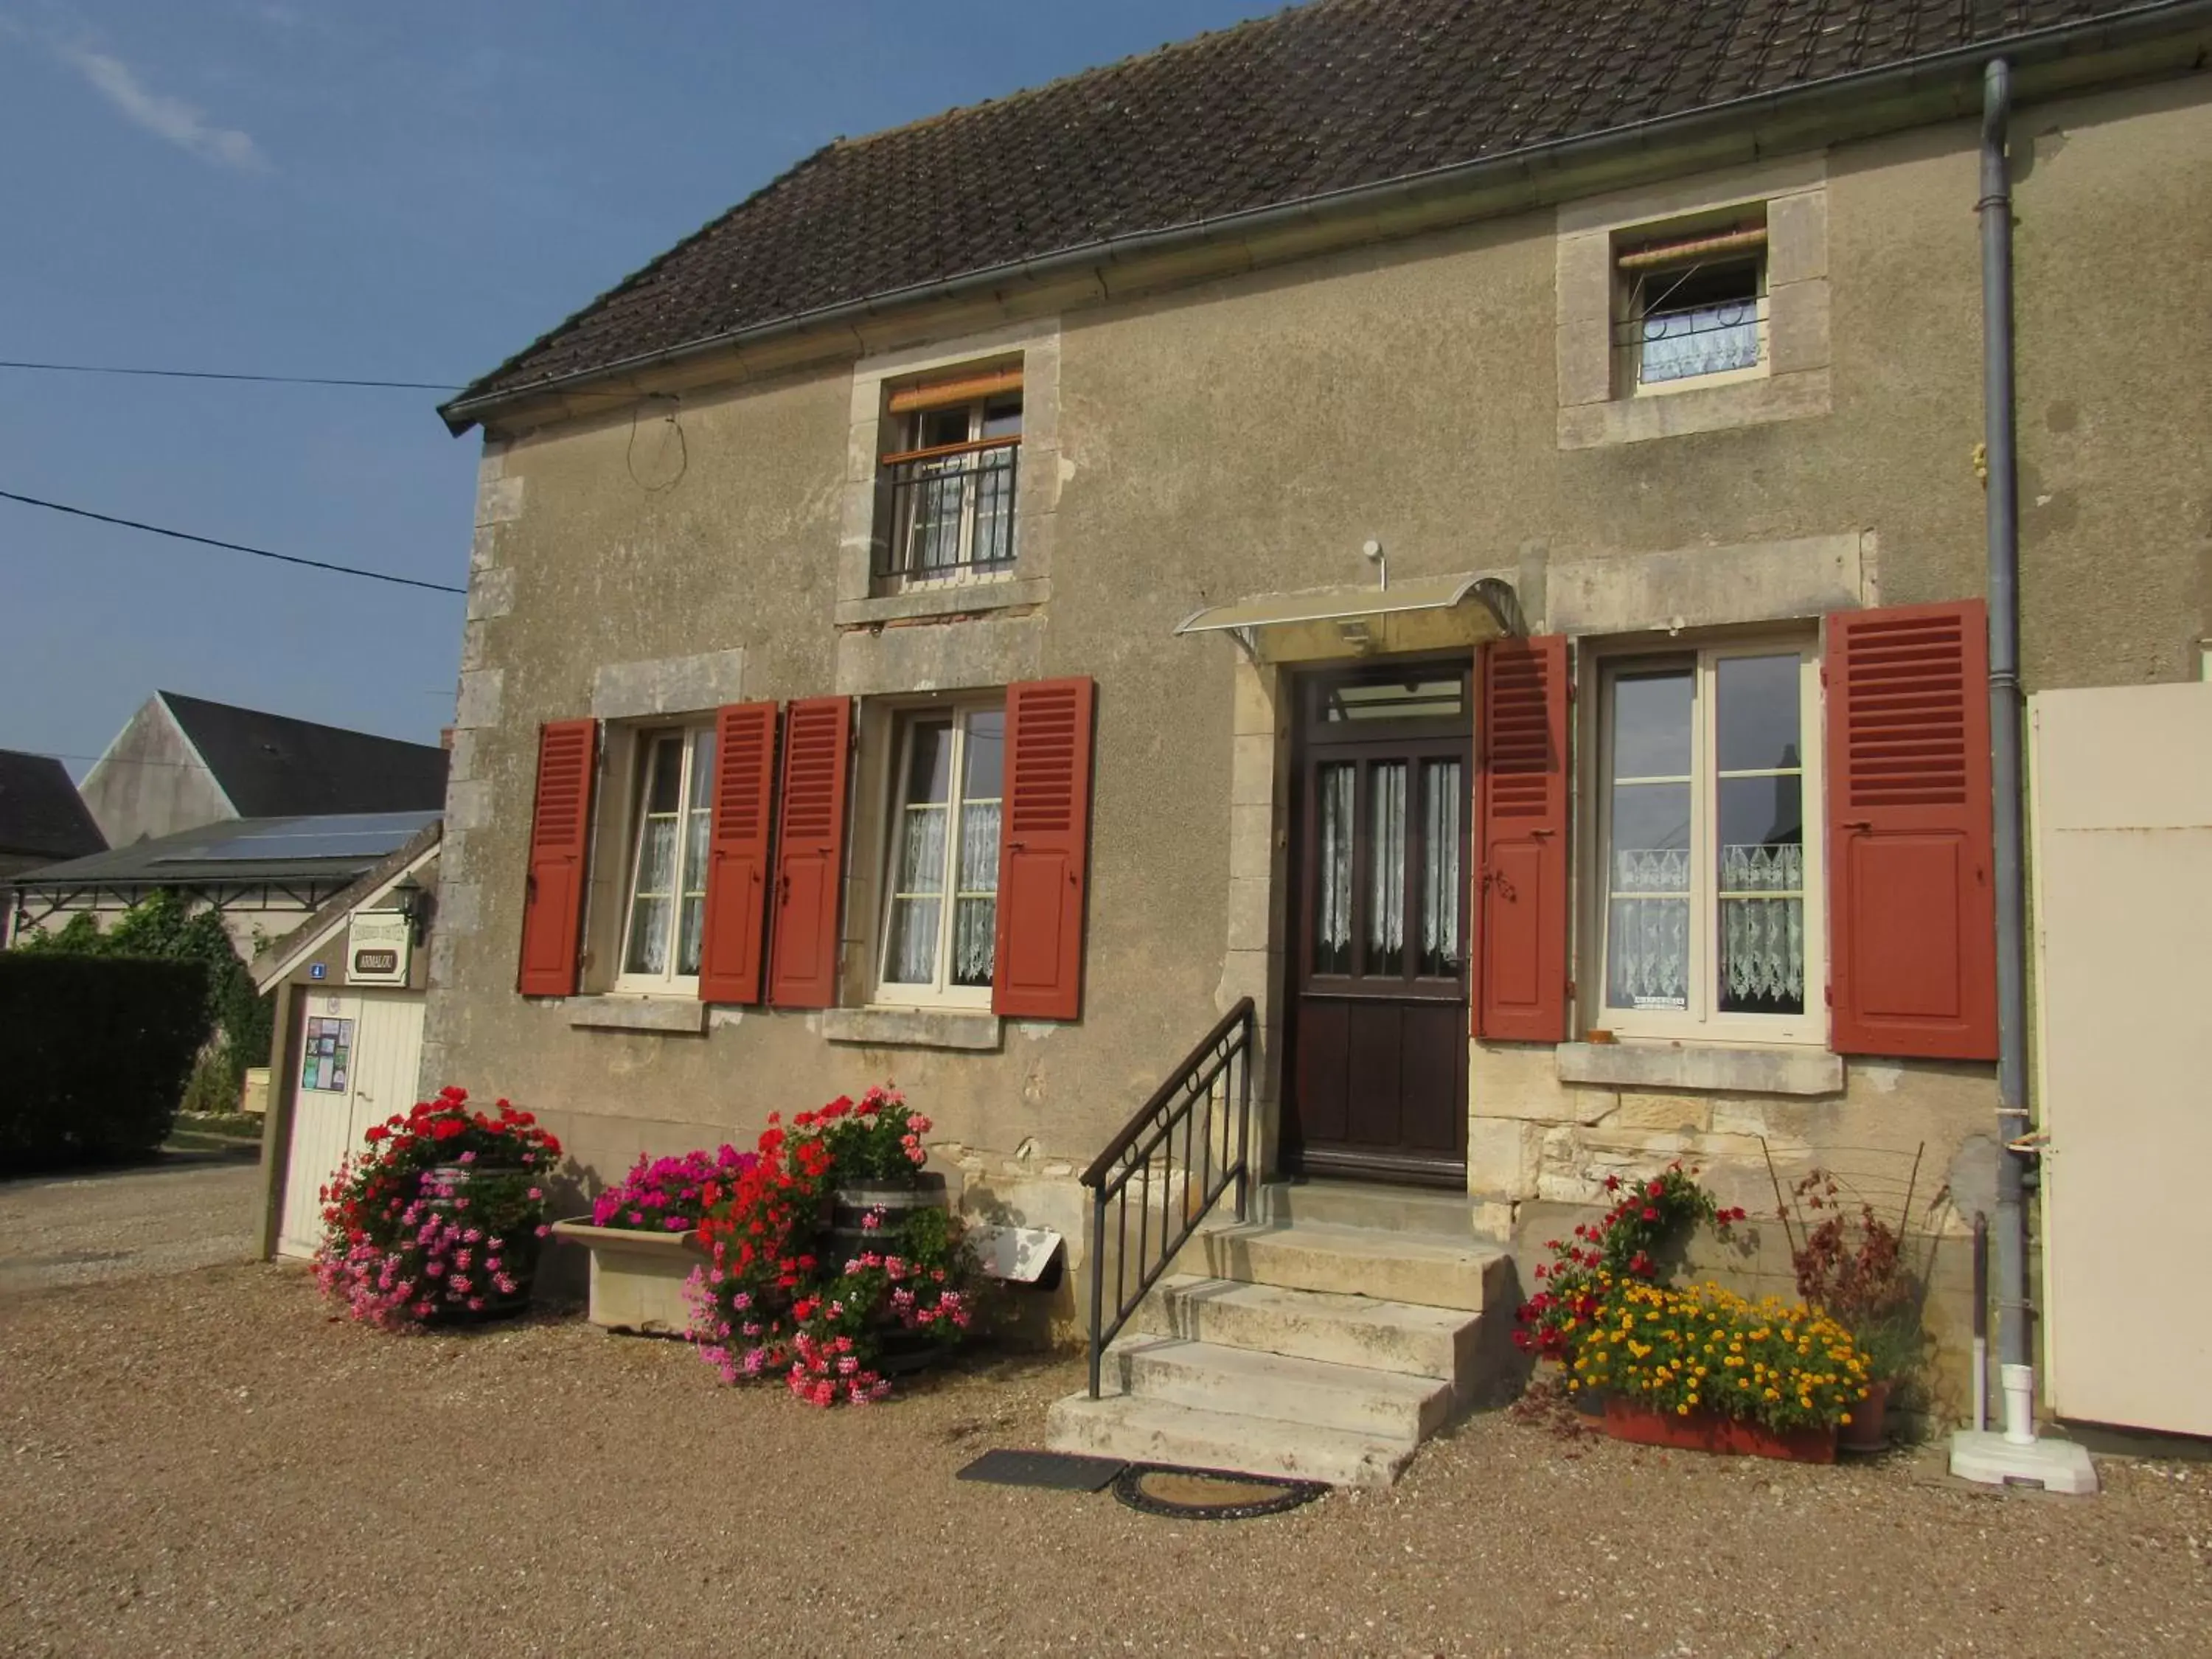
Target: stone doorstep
1309,1393
1144,1430
1369,1205
1411,1267
1346,1330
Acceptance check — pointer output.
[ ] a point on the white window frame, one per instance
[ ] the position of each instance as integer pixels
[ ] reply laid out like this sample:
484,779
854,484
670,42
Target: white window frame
906,521
940,993
1703,1021
646,743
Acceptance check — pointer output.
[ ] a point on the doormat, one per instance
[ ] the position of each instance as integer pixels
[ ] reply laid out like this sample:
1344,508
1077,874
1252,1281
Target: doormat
1053,1471
1210,1494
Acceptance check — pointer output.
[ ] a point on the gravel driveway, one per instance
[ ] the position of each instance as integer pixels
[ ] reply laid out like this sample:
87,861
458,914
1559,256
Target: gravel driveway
188,1212
206,1463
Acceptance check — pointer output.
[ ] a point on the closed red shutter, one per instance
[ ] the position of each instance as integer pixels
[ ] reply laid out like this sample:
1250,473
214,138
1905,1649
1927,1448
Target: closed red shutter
1043,851
560,840
1520,817
736,855
1912,913
810,854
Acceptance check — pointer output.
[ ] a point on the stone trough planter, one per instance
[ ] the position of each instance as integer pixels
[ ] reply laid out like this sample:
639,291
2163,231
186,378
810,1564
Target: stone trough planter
637,1278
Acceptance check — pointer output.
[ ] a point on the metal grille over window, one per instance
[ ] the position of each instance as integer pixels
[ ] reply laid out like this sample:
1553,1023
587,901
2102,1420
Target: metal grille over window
1697,308
951,491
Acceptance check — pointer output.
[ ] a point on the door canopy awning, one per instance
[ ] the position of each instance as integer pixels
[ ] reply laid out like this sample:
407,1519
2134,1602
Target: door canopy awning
1426,614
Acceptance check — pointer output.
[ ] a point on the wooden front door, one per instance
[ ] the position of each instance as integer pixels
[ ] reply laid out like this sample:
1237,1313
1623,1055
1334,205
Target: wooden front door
1377,1046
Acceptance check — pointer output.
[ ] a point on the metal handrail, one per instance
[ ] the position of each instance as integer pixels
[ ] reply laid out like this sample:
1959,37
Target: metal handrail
1214,1083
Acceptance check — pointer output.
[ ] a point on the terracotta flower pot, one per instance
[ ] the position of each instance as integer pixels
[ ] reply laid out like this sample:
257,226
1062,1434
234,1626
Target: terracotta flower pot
1869,1428
1709,1432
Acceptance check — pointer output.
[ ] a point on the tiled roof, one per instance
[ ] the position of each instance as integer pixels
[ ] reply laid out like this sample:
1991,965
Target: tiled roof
274,766
41,813
1330,95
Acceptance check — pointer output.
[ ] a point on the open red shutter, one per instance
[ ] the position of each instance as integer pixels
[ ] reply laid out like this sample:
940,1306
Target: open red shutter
1521,819
736,855
1912,913
810,854
1043,850
560,837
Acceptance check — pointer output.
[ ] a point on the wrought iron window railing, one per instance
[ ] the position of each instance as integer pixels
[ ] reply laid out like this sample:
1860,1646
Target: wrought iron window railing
952,511
1171,1163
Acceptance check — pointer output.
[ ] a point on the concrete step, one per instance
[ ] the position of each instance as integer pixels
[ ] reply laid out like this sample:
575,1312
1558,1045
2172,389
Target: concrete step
1375,1206
1311,1393
1429,1273
1343,1330
1145,1430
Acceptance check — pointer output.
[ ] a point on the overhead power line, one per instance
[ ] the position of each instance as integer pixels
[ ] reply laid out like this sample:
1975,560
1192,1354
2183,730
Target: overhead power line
212,374
234,547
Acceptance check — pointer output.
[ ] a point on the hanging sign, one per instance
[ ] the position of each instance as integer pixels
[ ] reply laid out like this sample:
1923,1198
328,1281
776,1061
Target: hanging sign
377,943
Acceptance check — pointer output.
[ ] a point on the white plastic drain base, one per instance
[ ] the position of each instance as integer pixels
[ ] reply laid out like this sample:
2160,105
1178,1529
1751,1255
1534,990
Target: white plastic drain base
1993,1461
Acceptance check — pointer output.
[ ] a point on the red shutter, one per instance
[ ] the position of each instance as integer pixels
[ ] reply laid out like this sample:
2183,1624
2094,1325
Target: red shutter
1912,911
810,854
1043,851
736,855
1521,820
560,838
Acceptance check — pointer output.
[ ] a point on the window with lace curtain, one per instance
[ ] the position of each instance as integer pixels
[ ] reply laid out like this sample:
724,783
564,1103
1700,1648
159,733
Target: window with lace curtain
941,879
1710,916
673,810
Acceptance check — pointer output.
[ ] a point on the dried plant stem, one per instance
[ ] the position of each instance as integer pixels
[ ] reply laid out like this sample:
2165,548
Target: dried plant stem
1781,1203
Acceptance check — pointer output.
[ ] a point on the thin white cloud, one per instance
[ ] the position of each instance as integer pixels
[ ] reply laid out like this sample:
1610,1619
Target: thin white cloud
181,123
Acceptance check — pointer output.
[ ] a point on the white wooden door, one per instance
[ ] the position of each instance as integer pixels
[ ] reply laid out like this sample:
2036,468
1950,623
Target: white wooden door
360,1050
2122,868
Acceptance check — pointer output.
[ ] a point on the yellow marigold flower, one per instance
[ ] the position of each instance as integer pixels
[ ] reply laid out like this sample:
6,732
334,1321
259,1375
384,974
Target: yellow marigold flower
1845,1419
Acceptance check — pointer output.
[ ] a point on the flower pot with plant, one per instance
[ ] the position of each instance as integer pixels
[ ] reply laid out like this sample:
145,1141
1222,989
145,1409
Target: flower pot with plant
643,1238
1854,1265
834,1265
439,1216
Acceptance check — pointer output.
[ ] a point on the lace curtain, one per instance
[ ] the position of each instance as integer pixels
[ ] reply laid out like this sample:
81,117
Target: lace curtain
920,901
1649,949
1762,938
976,909
1386,870
1440,878
1709,340
1333,911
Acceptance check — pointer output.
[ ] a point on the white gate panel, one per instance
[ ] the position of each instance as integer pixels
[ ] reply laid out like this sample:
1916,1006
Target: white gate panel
385,1050
2122,782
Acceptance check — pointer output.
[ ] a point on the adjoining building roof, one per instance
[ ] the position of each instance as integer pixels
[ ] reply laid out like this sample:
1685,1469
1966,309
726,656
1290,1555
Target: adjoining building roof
274,766
312,851
41,814
283,955
1326,97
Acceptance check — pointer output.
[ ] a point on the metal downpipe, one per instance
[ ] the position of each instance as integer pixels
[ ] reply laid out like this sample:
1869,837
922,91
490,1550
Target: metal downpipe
1995,207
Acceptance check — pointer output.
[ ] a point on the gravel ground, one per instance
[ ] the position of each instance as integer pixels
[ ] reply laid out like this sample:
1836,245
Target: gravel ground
183,1211
206,1463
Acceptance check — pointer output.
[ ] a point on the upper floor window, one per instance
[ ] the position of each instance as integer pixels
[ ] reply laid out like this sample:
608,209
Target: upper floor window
941,914
1695,306
1710,910
664,916
951,480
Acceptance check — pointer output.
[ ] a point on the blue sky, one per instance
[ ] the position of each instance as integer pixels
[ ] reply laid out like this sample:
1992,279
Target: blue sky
389,189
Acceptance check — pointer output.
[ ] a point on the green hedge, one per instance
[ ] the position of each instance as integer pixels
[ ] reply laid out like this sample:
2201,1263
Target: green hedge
95,1052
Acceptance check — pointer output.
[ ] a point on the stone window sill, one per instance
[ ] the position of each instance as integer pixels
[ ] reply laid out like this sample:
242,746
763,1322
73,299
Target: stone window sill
913,1028
1696,408
1661,1066
634,1013
954,599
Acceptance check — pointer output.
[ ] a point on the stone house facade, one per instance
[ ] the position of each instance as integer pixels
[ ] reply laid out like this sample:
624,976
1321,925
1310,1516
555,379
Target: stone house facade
1512,613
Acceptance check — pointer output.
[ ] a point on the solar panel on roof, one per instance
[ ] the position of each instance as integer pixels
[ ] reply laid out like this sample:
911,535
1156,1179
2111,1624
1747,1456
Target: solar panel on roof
342,835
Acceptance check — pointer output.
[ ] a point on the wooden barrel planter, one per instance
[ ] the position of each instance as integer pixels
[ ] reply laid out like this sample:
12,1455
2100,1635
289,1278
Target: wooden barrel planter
443,1187
847,1234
